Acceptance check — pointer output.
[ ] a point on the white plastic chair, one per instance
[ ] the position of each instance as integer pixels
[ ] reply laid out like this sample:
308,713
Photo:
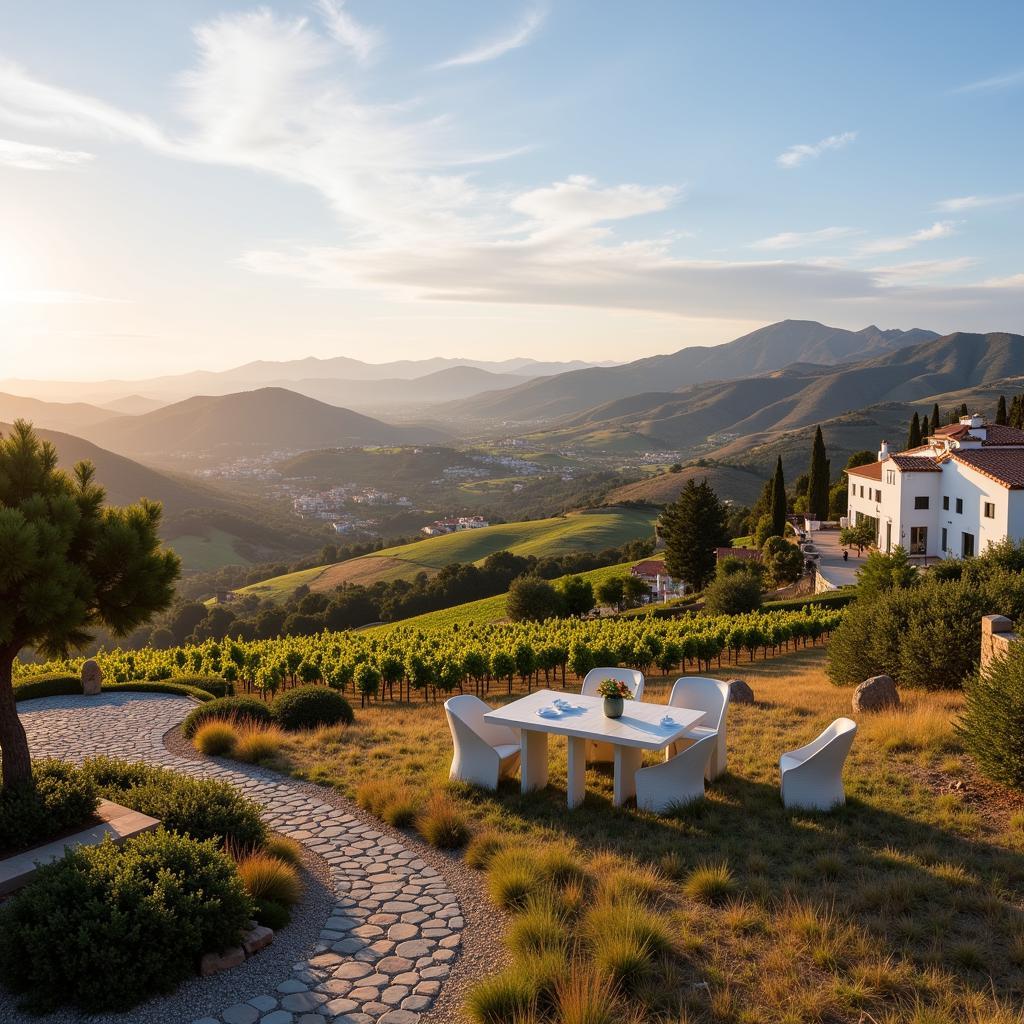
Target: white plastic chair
812,777
484,753
712,697
677,780
597,751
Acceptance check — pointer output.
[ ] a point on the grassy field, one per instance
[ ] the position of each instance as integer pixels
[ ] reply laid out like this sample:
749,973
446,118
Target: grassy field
906,905
579,531
210,551
490,609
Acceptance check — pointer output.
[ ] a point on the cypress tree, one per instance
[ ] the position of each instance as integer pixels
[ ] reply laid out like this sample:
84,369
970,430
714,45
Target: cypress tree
914,436
818,479
963,409
1001,411
926,427
693,526
778,509
936,418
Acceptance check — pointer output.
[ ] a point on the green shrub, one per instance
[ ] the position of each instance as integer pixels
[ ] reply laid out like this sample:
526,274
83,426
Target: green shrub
200,808
307,707
483,846
215,686
272,915
512,876
145,686
107,927
58,798
51,685
992,724
734,594
238,709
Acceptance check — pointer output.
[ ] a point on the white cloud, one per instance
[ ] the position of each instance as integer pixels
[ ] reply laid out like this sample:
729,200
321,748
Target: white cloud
993,84
520,35
29,157
977,202
360,39
796,155
923,270
897,243
799,239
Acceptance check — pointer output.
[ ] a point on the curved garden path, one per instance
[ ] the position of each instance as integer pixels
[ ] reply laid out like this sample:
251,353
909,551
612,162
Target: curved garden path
395,926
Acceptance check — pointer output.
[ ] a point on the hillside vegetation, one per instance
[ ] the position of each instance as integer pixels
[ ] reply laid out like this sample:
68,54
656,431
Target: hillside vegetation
591,531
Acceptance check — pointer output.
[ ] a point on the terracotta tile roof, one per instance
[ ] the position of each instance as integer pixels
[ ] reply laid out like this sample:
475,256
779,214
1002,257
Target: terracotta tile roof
953,430
915,464
872,471
1006,467
999,434
652,567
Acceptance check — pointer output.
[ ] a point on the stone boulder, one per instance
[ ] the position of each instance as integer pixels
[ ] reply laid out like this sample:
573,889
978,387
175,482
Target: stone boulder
740,692
875,694
92,677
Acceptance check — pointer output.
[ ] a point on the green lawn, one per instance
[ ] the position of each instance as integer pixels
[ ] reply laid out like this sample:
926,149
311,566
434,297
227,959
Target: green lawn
590,531
210,551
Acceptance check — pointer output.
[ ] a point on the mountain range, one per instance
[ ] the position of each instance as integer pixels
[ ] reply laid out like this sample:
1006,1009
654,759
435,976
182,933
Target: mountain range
799,395
248,422
769,348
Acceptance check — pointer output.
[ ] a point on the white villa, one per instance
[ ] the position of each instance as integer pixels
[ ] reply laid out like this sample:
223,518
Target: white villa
950,498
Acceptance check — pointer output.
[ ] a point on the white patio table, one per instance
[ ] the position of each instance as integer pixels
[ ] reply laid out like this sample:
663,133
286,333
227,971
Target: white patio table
640,728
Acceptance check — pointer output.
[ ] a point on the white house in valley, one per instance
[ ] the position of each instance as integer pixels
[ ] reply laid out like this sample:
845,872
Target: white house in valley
950,498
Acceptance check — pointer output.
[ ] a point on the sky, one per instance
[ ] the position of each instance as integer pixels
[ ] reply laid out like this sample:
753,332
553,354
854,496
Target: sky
196,184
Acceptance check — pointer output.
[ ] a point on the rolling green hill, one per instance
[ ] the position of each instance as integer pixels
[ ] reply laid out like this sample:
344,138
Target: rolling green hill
206,526
592,530
489,609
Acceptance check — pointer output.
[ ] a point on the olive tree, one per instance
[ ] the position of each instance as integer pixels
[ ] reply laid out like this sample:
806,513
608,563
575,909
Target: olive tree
68,563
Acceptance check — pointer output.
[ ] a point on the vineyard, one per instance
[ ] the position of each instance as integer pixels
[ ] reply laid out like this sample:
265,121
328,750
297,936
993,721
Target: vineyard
472,656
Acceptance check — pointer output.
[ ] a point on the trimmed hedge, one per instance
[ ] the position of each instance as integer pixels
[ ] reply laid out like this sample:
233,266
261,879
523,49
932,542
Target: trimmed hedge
107,927
59,798
215,686
307,707
57,685
234,708
200,808
52,685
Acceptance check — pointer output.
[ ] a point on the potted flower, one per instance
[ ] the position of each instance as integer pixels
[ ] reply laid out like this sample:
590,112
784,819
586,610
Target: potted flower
615,693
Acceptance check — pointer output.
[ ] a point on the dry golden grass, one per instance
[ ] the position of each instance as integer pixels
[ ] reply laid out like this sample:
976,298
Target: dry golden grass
256,744
906,905
266,877
216,738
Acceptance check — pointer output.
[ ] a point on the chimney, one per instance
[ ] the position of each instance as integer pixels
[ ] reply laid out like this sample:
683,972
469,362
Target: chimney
973,421
883,452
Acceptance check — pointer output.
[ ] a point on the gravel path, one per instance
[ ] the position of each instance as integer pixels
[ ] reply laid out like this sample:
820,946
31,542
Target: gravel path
394,926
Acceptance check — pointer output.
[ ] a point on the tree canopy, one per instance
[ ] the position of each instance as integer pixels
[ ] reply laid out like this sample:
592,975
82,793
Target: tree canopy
69,563
693,526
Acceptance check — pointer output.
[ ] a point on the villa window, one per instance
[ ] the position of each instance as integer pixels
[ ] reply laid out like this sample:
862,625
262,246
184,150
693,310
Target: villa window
862,490
921,501
990,510
945,504
919,540
890,476
878,495
959,506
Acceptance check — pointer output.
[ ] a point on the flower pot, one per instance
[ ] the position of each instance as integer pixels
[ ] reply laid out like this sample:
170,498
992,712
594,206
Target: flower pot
613,707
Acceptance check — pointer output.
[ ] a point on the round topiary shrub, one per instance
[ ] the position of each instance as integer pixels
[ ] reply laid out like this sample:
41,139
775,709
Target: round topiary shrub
238,709
200,808
992,724
310,706
59,798
107,927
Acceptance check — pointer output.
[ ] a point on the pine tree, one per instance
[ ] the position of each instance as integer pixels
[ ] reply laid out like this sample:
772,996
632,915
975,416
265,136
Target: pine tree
778,509
914,436
70,564
818,479
926,427
693,526
1001,411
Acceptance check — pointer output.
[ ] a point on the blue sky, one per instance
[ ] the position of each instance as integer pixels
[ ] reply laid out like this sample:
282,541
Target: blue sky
198,184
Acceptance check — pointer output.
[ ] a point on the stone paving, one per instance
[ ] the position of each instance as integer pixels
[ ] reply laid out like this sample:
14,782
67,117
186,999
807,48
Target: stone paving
387,946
